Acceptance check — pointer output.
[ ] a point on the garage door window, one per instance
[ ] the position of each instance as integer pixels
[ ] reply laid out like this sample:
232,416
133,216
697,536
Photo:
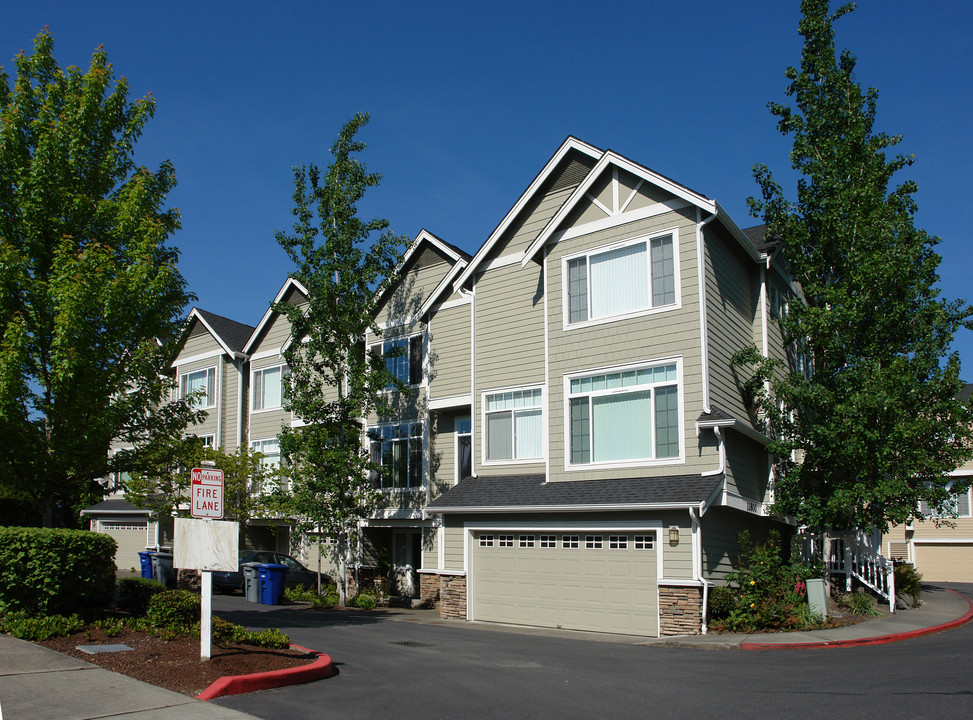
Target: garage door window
486,540
643,542
506,541
570,542
548,541
526,541
618,542
593,542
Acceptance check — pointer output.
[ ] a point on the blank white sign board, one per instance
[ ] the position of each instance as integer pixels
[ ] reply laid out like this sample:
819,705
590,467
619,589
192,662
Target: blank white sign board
206,545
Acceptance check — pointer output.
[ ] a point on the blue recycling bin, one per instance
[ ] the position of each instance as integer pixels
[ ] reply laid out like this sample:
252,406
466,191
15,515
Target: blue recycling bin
145,560
271,577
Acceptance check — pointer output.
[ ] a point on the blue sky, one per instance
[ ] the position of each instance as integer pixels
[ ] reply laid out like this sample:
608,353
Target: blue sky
469,100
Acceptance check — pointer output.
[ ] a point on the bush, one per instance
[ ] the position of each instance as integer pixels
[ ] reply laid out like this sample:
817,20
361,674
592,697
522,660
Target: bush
859,603
46,571
764,593
224,631
908,580
173,609
721,602
299,594
364,599
23,626
134,593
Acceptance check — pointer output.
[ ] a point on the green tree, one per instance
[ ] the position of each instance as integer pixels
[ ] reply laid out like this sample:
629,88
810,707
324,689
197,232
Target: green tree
161,480
877,425
344,262
88,284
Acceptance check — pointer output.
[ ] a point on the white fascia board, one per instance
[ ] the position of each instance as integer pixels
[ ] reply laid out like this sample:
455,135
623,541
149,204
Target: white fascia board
446,282
211,355
424,236
737,425
288,284
147,513
571,143
451,402
194,313
561,508
607,159
943,541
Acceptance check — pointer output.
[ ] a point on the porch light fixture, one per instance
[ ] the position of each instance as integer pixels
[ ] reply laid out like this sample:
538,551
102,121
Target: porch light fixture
673,534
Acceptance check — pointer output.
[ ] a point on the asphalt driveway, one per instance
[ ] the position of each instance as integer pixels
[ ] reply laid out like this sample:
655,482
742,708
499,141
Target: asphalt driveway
412,665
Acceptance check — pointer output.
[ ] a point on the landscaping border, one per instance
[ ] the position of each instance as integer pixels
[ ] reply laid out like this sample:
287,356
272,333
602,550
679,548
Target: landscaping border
240,684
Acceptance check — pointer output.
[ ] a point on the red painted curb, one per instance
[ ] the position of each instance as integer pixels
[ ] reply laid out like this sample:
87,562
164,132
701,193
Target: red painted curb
239,684
879,640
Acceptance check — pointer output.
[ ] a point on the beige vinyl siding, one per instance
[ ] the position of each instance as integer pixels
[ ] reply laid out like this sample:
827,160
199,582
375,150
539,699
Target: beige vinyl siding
730,311
230,398
677,560
449,352
453,546
310,553
927,530
420,278
265,423
442,454
721,528
199,343
659,334
210,424
275,335
532,220
430,548
747,469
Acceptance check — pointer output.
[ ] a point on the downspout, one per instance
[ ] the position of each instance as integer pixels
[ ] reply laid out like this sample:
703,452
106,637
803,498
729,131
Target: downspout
219,405
698,563
241,403
703,333
471,294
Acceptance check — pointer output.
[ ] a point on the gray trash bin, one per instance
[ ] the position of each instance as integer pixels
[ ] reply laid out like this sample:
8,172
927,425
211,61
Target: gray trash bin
251,582
162,569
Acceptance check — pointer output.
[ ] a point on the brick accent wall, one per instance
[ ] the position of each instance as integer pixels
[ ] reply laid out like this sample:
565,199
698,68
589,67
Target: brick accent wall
429,590
452,596
680,610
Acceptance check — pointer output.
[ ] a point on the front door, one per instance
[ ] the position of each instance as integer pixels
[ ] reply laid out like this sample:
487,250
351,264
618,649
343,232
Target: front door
406,557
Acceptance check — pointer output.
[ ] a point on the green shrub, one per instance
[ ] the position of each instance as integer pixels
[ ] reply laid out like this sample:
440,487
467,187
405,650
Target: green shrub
110,626
908,580
224,631
765,592
859,603
721,602
135,593
23,626
299,594
365,600
330,599
173,609
46,571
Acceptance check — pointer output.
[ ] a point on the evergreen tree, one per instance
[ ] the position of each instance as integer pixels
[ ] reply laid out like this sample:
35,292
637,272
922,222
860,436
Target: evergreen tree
877,425
333,384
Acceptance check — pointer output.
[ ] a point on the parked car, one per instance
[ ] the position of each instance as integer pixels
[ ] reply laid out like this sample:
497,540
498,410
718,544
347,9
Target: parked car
297,574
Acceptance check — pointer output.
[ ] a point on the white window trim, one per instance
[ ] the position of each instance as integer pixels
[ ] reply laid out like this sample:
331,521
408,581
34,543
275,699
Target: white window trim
423,437
216,385
642,239
456,455
619,464
483,434
253,374
379,343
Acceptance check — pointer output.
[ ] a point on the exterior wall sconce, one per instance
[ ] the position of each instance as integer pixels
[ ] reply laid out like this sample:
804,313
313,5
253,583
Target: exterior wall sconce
673,535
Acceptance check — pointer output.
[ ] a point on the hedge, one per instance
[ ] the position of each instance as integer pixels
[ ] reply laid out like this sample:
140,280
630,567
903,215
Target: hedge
46,571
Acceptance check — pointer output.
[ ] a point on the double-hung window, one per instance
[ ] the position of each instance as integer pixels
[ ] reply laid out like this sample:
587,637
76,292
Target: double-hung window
623,280
270,448
626,415
397,449
958,506
268,387
514,424
204,380
403,358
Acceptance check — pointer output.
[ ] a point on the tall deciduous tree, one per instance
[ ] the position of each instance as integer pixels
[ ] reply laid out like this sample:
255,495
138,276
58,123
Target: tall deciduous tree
333,384
87,282
877,425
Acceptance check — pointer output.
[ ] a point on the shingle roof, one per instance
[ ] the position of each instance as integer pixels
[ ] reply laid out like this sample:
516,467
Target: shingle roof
234,334
757,235
966,392
715,414
487,494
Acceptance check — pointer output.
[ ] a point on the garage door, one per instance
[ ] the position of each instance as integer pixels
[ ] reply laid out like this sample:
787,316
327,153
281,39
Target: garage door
131,538
604,582
946,562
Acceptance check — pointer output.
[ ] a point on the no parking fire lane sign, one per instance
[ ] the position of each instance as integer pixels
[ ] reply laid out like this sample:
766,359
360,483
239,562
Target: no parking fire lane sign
207,493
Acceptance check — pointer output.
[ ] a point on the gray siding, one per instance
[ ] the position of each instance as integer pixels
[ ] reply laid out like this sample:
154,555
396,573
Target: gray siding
721,528
430,548
449,352
730,281
747,470
453,543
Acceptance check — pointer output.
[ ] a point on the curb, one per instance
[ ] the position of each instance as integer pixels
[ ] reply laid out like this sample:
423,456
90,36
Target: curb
860,642
239,684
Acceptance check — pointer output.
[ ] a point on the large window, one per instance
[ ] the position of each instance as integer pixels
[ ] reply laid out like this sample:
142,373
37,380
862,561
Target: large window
514,425
627,415
267,388
403,358
270,449
398,450
204,380
620,281
958,506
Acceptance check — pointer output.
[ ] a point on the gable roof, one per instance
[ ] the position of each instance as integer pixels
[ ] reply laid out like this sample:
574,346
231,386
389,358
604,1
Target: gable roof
758,236
570,144
528,493
289,284
231,335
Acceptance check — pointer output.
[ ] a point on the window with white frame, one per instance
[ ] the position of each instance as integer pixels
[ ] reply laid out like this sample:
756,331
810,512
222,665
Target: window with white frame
958,506
644,542
204,380
267,388
505,541
617,542
625,415
526,541
548,541
397,449
593,542
403,358
270,449
621,280
486,540
570,542
514,424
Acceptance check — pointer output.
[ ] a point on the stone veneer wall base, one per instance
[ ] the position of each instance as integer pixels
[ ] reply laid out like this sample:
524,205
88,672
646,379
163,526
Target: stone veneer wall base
680,610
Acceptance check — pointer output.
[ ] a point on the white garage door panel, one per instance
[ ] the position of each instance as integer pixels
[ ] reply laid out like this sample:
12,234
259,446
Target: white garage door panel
603,589
131,538
947,562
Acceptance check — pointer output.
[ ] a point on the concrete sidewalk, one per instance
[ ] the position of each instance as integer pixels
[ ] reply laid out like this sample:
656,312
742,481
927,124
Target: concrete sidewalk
39,683
941,609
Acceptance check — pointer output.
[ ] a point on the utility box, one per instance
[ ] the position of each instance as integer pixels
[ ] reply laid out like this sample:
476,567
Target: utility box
817,597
